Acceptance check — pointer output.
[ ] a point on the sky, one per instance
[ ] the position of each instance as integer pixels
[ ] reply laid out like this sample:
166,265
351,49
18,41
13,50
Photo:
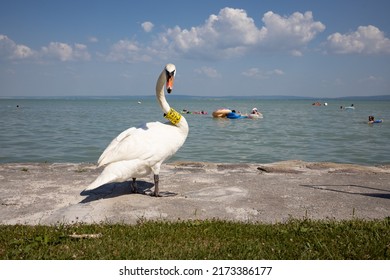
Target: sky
332,48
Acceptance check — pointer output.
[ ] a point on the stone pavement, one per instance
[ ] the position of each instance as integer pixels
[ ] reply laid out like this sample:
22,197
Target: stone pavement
51,193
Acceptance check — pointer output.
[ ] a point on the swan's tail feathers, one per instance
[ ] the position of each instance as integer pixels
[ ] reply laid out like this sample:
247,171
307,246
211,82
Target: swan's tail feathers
107,176
119,172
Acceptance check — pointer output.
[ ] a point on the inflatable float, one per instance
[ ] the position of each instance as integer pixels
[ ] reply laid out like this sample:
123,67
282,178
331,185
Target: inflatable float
233,115
255,116
221,113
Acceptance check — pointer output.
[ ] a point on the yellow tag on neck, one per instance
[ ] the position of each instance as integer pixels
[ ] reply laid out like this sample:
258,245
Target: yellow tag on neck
173,116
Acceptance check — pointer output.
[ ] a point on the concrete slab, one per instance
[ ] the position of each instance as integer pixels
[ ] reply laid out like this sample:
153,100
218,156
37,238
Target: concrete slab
34,193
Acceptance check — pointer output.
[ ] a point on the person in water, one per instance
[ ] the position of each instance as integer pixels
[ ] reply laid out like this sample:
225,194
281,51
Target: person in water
255,112
371,119
236,112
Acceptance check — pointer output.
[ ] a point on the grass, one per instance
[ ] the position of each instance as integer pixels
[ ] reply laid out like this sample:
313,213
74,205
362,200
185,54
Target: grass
190,240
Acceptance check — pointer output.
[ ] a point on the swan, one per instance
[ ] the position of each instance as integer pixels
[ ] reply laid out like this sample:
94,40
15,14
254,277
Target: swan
137,152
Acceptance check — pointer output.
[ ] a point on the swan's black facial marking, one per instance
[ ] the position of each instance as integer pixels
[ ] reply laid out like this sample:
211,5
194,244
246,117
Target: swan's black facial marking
169,74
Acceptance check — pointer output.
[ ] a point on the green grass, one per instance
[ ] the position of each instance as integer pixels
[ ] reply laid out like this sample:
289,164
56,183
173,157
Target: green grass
295,239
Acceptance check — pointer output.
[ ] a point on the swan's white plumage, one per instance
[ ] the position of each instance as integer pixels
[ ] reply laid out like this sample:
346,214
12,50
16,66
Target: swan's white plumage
137,152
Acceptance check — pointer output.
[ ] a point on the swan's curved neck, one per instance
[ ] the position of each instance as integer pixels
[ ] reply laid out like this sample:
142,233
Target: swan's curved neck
160,93
173,116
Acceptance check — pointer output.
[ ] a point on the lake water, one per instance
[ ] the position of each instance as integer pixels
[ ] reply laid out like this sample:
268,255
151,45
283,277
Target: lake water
79,129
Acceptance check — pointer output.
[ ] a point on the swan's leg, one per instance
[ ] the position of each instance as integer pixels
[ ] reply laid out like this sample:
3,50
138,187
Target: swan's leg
134,186
156,171
156,189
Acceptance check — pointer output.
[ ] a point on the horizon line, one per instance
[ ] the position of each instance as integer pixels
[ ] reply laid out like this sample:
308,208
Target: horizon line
376,97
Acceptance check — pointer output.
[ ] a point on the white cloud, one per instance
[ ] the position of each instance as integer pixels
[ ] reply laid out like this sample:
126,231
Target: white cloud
65,52
127,51
371,78
80,52
58,50
10,50
232,33
290,32
208,71
224,35
22,51
55,50
365,40
147,26
261,74
93,39
296,53
252,72
277,72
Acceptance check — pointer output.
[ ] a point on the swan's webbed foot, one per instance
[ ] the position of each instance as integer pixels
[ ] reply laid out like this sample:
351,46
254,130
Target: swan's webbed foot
155,195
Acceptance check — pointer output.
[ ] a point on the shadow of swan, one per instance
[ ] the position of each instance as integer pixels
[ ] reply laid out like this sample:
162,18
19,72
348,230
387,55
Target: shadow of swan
112,190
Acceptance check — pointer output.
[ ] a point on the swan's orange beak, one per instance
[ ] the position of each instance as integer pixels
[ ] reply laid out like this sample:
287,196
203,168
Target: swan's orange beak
169,85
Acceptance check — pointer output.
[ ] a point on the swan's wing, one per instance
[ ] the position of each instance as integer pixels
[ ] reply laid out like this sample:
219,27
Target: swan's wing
114,144
164,142
153,142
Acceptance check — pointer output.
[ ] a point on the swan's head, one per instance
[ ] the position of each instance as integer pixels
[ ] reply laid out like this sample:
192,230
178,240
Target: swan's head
170,72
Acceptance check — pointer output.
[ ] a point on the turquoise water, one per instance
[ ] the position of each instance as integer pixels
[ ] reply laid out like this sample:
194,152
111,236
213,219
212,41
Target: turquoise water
78,130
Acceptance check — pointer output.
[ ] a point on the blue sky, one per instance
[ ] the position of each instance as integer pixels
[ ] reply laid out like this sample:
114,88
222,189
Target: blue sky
104,48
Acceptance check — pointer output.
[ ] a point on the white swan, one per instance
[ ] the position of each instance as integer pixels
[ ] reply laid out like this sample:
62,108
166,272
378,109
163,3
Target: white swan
137,152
